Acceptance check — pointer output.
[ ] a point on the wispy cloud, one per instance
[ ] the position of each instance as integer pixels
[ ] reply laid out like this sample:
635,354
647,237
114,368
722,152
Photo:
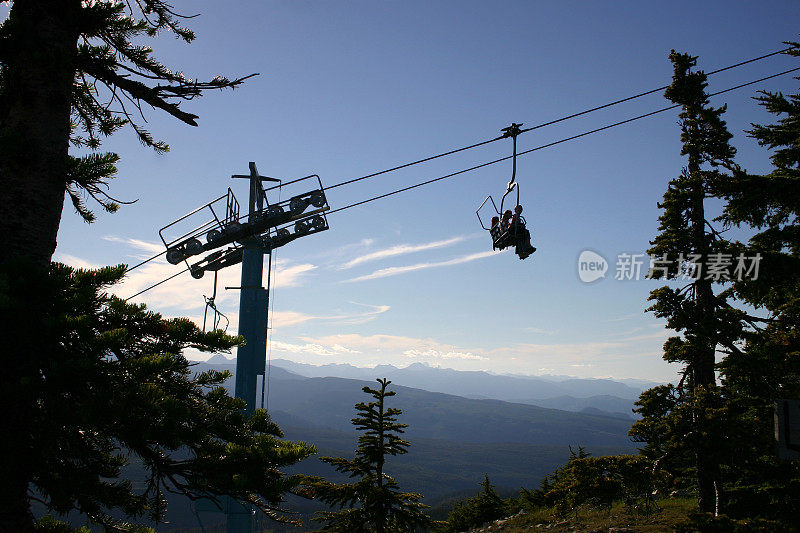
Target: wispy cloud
394,347
395,271
184,293
292,318
281,319
437,354
145,248
584,359
401,249
311,348
75,262
541,331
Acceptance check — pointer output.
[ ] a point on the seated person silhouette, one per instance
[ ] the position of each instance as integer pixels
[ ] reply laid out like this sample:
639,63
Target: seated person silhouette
506,222
502,237
495,231
522,236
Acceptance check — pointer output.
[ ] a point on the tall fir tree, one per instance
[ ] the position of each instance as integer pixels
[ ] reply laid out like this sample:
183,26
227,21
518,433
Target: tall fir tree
767,368
109,387
73,72
685,247
374,502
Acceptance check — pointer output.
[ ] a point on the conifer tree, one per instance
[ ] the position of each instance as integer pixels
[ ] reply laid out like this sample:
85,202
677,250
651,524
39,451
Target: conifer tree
71,73
374,501
109,387
474,512
767,368
684,248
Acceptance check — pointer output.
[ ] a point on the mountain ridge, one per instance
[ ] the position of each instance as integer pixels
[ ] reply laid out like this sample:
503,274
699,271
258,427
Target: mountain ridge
603,396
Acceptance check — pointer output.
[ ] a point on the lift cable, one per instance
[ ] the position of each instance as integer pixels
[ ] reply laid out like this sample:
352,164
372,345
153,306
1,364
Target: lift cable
153,286
270,339
556,121
548,145
574,115
482,143
598,108
537,148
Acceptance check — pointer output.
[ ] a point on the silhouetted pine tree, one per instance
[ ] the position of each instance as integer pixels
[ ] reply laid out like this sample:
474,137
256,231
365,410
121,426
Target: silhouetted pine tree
473,512
374,502
71,73
109,386
767,367
685,247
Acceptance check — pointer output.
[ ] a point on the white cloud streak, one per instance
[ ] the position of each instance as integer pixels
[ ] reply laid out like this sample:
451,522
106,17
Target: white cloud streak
145,248
585,359
75,262
395,271
436,354
394,347
401,249
184,293
311,348
292,318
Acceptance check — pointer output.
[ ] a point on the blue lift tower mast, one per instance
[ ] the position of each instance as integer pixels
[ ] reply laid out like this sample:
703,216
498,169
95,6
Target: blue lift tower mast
231,239
253,301
253,304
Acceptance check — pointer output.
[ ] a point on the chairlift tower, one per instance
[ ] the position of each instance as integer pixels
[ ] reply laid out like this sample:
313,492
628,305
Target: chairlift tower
253,300
265,228
250,358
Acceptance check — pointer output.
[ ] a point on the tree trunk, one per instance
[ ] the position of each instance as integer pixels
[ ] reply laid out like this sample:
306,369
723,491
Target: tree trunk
38,55
37,52
704,358
15,512
24,313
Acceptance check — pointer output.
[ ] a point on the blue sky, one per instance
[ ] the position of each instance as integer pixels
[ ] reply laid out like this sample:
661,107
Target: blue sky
348,88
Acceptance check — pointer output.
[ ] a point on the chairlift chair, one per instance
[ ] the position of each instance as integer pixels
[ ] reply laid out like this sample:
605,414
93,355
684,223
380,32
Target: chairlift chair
510,230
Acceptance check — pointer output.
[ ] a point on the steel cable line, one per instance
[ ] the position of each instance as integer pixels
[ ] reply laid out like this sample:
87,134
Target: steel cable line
134,267
560,141
153,286
482,143
537,148
551,122
598,108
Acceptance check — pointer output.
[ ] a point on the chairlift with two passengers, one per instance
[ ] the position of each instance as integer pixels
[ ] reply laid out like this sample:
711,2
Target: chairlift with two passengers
508,228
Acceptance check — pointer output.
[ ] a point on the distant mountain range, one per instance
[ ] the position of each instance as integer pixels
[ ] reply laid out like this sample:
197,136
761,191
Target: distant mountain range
475,383
597,396
455,439
327,402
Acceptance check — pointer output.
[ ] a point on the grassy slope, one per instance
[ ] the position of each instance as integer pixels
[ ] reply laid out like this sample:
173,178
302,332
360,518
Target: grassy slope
671,513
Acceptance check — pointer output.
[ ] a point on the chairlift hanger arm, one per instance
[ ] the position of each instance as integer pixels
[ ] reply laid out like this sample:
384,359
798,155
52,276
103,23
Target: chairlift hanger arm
512,131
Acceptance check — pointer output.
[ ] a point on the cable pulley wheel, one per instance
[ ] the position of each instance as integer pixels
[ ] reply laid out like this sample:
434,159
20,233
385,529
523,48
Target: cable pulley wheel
174,256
